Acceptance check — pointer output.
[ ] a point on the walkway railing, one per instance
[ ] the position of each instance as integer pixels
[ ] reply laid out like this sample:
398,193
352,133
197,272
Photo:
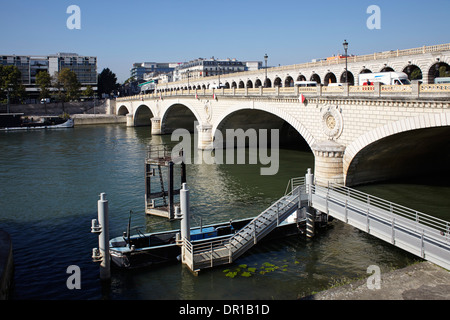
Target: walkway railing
423,235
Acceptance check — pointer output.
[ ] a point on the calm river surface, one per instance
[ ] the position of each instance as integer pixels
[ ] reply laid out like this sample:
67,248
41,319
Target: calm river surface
50,182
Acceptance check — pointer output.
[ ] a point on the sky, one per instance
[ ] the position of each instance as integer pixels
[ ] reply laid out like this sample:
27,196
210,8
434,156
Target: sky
120,33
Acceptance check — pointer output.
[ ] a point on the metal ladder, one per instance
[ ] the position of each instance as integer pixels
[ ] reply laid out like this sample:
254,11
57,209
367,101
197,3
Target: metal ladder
208,254
162,185
263,224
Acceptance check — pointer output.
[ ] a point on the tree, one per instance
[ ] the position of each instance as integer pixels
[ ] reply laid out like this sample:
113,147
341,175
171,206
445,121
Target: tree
88,92
10,83
67,85
44,82
107,82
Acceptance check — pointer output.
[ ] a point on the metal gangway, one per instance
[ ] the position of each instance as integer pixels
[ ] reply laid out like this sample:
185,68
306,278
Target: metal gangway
420,234
211,253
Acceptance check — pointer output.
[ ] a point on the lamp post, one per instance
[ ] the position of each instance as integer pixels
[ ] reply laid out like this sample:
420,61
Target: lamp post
345,44
218,66
188,71
265,80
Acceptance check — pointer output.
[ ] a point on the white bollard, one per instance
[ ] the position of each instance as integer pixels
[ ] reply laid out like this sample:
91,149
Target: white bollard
185,213
103,237
310,212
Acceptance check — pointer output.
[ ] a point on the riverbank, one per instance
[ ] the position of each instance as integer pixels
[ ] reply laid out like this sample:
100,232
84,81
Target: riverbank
420,281
91,119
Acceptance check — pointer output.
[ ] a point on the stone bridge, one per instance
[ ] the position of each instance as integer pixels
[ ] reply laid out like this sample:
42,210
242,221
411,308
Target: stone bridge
357,134
424,63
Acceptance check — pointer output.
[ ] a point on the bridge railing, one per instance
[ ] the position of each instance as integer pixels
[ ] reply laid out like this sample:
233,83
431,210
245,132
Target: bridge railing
384,90
436,227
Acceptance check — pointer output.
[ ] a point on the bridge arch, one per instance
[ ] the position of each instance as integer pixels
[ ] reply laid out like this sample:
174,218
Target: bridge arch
277,82
418,145
258,83
297,125
438,69
241,84
123,110
142,116
329,78
267,83
289,81
301,77
179,115
350,78
249,84
315,77
413,71
387,69
365,70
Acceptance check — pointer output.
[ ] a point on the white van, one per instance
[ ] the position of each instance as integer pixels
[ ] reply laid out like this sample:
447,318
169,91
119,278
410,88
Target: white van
337,84
305,83
386,78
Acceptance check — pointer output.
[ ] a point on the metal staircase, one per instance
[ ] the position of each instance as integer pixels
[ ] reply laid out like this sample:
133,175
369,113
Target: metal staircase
207,254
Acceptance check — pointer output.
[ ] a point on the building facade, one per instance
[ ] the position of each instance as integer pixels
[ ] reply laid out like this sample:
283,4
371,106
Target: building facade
85,67
139,69
200,68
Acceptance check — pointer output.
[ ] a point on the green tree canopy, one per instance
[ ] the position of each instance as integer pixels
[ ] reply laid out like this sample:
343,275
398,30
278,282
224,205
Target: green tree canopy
67,84
44,82
107,82
10,82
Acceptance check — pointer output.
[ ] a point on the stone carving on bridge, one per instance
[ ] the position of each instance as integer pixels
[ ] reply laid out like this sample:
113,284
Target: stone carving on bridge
208,111
332,122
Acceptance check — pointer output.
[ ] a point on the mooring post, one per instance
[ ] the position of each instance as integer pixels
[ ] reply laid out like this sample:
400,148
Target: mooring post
103,237
185,213
170,191
310,211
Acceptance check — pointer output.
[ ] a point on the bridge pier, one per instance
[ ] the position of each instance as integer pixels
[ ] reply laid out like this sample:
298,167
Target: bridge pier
156,126
205,138
328,162
130,120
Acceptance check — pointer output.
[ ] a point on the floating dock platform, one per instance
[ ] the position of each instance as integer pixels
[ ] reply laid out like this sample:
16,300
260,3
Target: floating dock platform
160,189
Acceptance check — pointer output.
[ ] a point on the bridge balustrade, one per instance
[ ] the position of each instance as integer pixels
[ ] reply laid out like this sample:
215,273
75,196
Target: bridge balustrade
385,90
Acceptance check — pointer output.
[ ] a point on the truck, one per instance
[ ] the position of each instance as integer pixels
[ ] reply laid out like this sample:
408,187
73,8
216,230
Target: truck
386,78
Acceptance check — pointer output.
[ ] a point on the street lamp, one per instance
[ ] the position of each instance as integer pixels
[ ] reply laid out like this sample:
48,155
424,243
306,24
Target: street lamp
218,66
265,59
345,44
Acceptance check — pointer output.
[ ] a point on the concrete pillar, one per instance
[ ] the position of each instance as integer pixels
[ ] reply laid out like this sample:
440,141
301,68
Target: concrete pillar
205,138
130,120
328,162
416,89
346,89
377,89
156,125
319,89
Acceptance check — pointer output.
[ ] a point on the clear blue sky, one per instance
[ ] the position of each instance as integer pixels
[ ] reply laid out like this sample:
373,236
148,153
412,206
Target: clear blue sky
120,33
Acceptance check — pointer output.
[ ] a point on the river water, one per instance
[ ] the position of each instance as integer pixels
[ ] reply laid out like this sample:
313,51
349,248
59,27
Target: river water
50,182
